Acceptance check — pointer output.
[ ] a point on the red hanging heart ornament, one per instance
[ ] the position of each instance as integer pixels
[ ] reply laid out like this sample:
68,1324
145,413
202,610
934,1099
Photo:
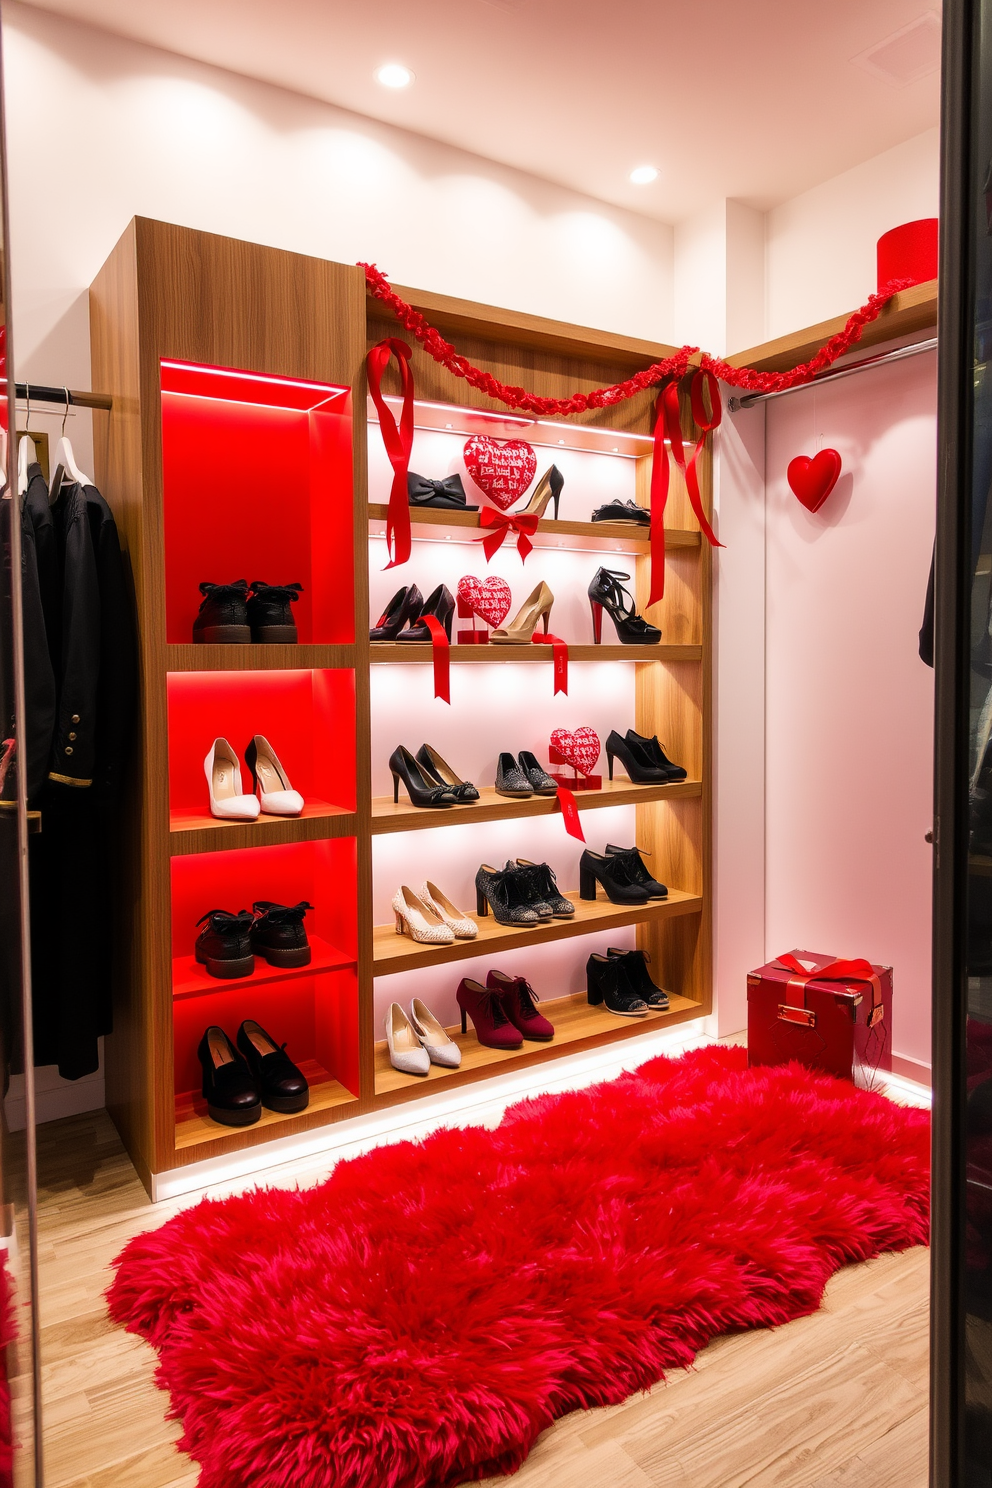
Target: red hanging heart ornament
579,748
489,598
813,480
501,468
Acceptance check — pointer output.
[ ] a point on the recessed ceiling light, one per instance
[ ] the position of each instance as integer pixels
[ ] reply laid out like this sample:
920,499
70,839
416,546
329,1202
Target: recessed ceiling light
394,75
643,175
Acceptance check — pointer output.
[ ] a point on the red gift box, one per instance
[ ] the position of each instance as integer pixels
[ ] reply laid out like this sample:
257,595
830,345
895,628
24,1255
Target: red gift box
830,1015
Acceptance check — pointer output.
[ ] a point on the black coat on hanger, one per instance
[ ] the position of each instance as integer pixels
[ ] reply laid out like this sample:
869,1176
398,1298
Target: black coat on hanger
37,542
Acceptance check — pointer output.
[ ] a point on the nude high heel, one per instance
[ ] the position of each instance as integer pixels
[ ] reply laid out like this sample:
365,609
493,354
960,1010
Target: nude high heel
419,920
548,488
227,798
270,781
521,628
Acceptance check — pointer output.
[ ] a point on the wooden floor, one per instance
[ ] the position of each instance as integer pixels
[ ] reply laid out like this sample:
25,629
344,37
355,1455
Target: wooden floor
838,1400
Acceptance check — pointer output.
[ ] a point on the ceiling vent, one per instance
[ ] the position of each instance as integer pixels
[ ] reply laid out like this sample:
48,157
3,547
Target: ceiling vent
908,55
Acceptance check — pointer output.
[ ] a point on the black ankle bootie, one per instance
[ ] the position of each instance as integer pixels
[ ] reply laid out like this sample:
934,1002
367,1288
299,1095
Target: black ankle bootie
278,933
641,770
530,888
545,888
635,968
231,1094
614,874
656,755
606,982
637,870
506,894
270,613
223,615
405,605
223,946
281,1084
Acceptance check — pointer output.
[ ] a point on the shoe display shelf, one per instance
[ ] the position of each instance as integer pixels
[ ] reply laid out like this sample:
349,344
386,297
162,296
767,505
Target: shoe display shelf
238,448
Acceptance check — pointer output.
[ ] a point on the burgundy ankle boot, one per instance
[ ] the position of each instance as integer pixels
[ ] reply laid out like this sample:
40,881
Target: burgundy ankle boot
485,1007
518,998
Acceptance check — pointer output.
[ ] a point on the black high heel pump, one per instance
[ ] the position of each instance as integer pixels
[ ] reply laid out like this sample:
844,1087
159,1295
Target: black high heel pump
607,593
635,760
440,604
405,605
420,788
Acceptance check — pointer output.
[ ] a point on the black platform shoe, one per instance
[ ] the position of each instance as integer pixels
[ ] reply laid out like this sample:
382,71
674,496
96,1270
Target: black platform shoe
510,778
223,946
640,769
405,605
231,1094
506,894
656,755
223,615
541,783
606,982
278,933
613,874
545,888
635,968
419,787
440,604
622,511
269,612
637,870
607,593
283,1087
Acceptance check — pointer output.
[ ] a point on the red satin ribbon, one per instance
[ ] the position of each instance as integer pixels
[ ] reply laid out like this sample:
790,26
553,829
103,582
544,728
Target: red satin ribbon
441,650
668,426
524,524
398,439
570,812
858,970
560,659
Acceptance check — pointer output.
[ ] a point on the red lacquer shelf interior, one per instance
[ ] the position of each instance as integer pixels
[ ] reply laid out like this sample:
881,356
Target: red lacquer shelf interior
308,717
314,1009
257,484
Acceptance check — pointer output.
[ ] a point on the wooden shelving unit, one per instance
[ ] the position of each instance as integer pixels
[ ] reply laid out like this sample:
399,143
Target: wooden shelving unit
170,307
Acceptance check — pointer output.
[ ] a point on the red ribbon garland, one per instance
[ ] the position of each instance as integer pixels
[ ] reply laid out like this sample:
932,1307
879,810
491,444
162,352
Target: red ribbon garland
570,812
524,524
668,426
441,652
560,654
398,439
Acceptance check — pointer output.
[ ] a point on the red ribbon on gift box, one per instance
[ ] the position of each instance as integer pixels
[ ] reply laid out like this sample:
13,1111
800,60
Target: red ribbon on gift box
570,813
831,971
441,651
560,654
668,425
524,524
398,439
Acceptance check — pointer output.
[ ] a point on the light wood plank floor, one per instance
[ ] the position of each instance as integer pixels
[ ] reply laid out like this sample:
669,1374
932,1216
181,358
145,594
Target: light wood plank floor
838,1400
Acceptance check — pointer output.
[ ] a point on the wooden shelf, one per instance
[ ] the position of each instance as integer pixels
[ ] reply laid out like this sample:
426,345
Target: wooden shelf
388,816
394,652
392,952
616,537
196,832
194,1128
190,979
574,1022
193,658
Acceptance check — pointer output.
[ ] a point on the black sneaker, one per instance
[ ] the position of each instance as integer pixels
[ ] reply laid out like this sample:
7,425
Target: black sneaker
637,871
223,946
278,933
635,966
223,617
269,612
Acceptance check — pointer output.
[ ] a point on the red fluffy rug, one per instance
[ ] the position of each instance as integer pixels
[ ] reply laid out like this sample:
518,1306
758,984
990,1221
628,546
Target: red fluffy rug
423,1314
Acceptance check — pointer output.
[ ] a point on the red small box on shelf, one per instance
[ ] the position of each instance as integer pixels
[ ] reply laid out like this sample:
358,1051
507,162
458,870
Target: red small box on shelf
828,1014
574,781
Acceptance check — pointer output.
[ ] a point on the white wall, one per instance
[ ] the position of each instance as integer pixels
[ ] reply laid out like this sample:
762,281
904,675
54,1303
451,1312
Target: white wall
820,247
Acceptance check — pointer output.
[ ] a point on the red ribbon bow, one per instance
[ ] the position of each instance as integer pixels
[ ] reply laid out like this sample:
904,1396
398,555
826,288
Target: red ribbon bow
398,439
858,970
560,655
668,425
524,524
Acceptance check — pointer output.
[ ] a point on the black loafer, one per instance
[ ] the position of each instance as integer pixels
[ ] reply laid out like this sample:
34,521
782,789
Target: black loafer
223,946
228,1088
282,1085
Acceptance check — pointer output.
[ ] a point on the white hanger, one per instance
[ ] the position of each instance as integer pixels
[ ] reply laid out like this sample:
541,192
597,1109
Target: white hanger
65,461
25,448
3,458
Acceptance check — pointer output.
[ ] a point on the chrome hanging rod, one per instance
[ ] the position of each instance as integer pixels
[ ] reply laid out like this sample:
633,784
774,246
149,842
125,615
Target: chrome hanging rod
749,399
34,392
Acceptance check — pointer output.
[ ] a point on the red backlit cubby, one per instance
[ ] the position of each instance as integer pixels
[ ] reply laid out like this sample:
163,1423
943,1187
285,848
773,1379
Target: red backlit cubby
257,484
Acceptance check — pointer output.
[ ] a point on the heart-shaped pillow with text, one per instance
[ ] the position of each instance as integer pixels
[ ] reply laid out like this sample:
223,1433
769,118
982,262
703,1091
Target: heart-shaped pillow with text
578,747
501,468
813,480
488,598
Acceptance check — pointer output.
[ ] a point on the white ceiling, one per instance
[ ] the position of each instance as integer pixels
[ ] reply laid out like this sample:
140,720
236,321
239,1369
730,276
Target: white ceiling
753,99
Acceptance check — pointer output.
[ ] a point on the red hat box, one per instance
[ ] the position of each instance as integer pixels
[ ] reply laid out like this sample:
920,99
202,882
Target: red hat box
908,252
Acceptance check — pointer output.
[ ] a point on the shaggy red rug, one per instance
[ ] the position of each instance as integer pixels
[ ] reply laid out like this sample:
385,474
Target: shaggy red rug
423,1314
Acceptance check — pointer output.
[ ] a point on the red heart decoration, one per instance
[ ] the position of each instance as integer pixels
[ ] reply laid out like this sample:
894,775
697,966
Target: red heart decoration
579,747
488,598
501,468
813,480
